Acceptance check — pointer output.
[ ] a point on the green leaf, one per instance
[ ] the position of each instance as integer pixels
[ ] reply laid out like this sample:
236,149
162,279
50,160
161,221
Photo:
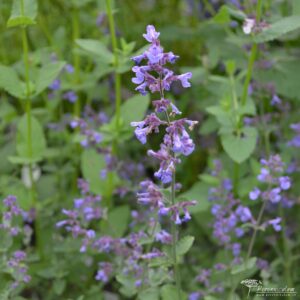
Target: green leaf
46,75
128,285
149,294
6,241
168,292
198,192
284,75
91,165
118,220
134,109
296,7
222,116
244,267
59,286
23,15
10,82
184,245
239,148
223,16
38,141
278,29
96,48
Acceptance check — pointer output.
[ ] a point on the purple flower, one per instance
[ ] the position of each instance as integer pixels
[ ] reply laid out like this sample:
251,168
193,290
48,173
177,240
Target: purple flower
274,195
244,213
276,224
154,54
236,249
164,237
215,209
55,85
264,175
151,35
69,68
285,182
239,232
276,100
195,296
70,96
184,79
227,184
254,194
137,59
143,128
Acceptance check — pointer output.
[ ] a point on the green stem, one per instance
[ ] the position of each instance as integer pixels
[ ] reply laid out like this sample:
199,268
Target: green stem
236,173
29,130
174,241
28,104
117,91
252,57
253,238
116,62
76,57
286,249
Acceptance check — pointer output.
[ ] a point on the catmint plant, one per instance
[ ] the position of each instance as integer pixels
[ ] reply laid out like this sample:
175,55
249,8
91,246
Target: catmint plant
152,75
13,262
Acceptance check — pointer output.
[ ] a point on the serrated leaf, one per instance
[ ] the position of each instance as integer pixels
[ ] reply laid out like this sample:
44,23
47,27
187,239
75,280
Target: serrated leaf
184,245
46,75
10,82
91,165
278,29
134,109
118,219
244,267
239,148
223,16
296,7
96,48
23,15
168,292
149,294
38,141
198,192
128,285
284,75
222,116
59,286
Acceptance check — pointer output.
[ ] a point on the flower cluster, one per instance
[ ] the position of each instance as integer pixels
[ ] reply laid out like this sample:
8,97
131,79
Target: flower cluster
16,263
18,268
152,196
295,142
90,136
272,174
229,214
56,85
204,278
155,77
86,209
12,210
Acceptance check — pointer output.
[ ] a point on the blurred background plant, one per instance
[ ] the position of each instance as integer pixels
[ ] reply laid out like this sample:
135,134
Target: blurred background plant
66,104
